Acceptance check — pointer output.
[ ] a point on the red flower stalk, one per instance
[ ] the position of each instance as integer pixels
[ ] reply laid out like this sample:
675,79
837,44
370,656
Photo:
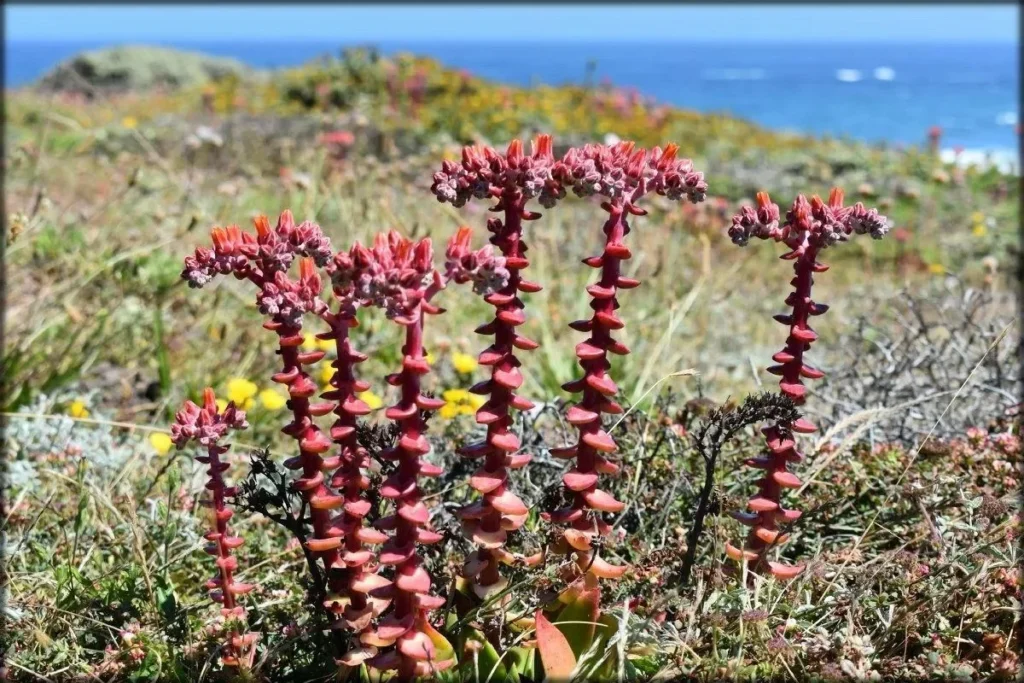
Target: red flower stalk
264,260
354,579
623,175
512,179
398,275
207,427
810,227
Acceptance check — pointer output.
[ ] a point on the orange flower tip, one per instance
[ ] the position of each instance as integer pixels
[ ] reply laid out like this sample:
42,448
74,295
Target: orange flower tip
262,225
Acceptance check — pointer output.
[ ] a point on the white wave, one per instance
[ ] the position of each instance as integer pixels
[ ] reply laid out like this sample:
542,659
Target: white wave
848,75
884,73
1006,160
732,74
1007,118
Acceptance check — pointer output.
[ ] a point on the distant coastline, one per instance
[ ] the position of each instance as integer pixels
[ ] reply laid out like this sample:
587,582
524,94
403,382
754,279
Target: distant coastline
870,92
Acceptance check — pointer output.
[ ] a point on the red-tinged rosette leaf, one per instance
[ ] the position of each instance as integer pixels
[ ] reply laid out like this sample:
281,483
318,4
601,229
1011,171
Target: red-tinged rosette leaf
619,251
524,343
485,480
618,348
326,502
510,379
529,287
507,503
579,415
789,516
599,441
575,480
490,356
600,292
429,403
802,426
605,570
506,441
734,553
609,320
499,299
795,390
602,384
762,504
412,578
770,536
415,512
511,317
783,357
805,335
322,545
392,628
811,372
627,283
785,571
603,501
401,412
787,479
556,654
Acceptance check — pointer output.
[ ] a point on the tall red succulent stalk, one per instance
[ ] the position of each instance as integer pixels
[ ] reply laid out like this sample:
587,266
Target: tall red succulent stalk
623,175
398,275
207,426
810,228
512,179
264,260
357,574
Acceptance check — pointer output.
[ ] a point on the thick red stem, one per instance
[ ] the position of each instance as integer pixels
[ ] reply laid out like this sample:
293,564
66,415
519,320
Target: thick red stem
223,588
487,521
766,517
355,575
406,626
596,386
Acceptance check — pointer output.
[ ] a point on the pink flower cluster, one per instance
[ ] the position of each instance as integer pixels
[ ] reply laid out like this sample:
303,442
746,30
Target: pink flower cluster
484,173
482,267
822,224
621,169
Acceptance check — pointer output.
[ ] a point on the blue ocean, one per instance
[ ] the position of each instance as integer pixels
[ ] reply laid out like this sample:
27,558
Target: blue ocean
871,92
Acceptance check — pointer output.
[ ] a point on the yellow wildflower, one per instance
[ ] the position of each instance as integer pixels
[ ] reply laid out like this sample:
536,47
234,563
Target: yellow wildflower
977,217
371,399
161,443
272,399
459,402
429,357
241,391
326,373
129,122
979,230
463,362
78,409
222,404
936,268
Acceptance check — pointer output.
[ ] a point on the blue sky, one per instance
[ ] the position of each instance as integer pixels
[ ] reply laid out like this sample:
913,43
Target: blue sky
177,23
